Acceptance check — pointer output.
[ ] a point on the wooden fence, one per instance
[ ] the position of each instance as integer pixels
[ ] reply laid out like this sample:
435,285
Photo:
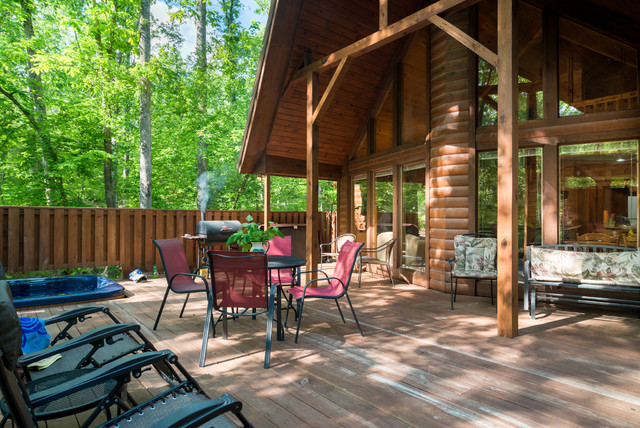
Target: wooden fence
42,238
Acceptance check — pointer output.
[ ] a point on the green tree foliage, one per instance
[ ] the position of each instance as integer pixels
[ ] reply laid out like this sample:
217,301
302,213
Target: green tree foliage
86,56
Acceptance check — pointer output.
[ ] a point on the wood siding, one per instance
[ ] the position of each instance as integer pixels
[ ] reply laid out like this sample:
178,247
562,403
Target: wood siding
449,150
39,238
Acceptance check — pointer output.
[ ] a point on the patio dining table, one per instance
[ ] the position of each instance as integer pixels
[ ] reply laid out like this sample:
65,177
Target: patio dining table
284,262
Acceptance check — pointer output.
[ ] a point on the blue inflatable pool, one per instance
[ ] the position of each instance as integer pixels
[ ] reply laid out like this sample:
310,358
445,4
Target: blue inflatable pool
65,289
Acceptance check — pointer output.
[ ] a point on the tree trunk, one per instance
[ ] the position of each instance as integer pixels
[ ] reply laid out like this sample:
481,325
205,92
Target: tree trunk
145,106
53,184
109,176
201,67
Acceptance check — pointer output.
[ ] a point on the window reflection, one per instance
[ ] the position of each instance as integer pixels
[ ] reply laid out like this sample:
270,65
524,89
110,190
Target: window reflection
598,190
529,195
413,216
596,73
383,183
360,209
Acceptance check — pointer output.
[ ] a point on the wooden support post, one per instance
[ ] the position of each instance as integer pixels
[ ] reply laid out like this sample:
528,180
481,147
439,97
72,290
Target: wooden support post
267,200
312,173
384,13
507,170
550,194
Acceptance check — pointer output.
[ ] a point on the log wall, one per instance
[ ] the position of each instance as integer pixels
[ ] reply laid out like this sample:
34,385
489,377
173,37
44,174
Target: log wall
41,238
449,169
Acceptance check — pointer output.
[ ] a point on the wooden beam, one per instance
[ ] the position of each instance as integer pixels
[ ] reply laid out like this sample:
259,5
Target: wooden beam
275,56
267,200
380,97
384,14
288,167
313,151
507,170
468,41
332,89
381,37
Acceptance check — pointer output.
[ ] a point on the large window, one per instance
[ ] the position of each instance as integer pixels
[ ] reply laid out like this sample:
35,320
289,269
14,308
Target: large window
596,73
530,60
360,208
413,216
414,92
529,195
383,183
598,189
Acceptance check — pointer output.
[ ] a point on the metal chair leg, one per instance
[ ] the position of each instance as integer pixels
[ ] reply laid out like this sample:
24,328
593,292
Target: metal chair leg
161,307
390,276
340,310
300,304
354,315
205,335
184,305
451,289
267,349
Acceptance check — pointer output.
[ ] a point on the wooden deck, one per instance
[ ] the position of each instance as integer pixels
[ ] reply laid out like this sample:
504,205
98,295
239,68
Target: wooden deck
420,364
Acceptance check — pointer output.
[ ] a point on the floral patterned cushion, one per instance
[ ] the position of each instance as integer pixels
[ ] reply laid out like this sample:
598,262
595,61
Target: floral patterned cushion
620,268
474,256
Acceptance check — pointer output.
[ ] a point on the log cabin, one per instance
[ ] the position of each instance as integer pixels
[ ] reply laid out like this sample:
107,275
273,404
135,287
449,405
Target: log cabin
436,118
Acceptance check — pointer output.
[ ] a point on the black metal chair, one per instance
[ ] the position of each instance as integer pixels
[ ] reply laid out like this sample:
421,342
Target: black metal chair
176,268
88,392
380,255
475,258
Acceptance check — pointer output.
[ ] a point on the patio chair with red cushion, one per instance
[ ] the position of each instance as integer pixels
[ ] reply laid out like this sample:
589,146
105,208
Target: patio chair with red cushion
176,269
238,281
337,285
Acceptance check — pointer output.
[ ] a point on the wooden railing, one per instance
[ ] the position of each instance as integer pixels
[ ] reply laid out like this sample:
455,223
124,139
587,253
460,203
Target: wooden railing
42,238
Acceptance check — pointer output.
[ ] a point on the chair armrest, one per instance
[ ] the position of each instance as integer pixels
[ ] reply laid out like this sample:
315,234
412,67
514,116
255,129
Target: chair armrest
304,290
197,414
125,367
194,275
73,317
77,314
312,271
368,250
96,338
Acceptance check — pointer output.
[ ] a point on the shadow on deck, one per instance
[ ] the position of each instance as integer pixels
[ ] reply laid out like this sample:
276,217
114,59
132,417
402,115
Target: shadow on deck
419,364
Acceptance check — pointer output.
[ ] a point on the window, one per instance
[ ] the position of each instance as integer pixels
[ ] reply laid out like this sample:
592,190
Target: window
598,189
529,195
383,183
413,216
596,73
360,209
530,61
414,92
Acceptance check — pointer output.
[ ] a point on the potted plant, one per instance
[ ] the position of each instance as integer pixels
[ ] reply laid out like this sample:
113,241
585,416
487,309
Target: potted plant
250,237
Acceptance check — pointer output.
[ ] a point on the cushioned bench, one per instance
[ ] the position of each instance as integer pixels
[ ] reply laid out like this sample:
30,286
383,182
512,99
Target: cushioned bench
587,267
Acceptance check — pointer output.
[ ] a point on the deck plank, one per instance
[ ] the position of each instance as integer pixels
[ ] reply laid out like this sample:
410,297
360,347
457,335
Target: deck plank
419,364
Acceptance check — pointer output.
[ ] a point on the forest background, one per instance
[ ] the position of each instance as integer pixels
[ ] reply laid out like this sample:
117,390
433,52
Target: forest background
99,109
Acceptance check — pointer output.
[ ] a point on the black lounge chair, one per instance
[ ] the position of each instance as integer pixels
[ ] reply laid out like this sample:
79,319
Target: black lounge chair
97,390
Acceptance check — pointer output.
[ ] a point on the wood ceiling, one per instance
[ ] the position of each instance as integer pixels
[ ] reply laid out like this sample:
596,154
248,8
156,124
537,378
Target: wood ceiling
300,32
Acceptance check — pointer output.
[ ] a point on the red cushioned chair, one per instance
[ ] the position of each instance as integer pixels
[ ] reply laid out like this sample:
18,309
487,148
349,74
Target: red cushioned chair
239,281
337,285
280,247
176,269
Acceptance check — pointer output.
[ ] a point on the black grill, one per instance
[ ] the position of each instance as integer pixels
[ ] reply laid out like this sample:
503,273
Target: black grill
216,231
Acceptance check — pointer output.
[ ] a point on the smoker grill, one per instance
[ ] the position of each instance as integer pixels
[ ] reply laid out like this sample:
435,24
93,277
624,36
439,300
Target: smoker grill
216,231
